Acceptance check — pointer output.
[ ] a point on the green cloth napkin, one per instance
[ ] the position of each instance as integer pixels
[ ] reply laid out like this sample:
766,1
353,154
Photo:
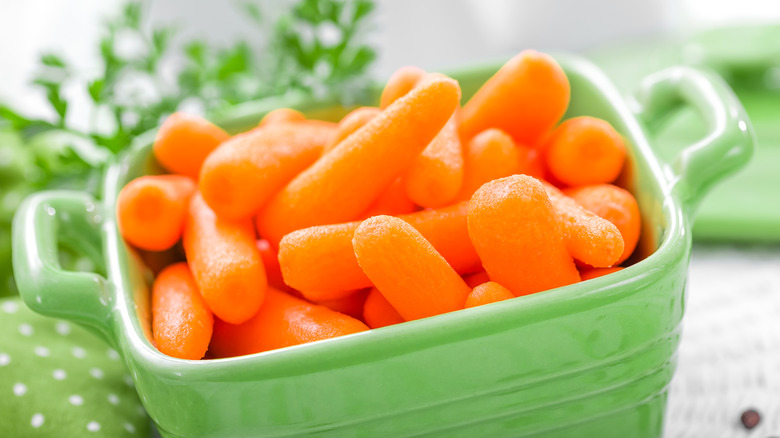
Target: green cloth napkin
58,380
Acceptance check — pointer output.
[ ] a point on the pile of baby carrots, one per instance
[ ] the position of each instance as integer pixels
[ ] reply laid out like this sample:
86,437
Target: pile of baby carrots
300,230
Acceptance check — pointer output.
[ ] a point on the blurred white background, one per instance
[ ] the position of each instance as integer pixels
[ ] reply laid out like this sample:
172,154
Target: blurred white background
433,34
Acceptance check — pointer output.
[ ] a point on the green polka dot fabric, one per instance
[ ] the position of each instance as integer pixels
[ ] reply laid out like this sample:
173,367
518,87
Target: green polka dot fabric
58,380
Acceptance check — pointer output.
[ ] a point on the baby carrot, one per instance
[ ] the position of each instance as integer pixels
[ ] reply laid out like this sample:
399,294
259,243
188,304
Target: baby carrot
616,205
584,151
351,304
282,115
437,173
351,123
225,262
591,273
525,98
184,141
486,293
393,201
181,321
378,312
151,210
474,280
346,181
282,321
271,264
244,172
399,84
490,155
406,268
320,260
513,227
589,238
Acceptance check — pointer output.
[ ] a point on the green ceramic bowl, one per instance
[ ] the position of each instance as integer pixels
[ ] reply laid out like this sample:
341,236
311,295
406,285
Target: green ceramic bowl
590,359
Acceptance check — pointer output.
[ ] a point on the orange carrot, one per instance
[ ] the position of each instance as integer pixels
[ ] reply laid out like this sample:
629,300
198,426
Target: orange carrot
513,227
589,238
244,172
615,205
351,304
282,321
378,312
393,201
474,280
348,179
156,261
584,151
225,262
181,321
525,98
400,83
437,174
271,265
486,293
591,273
490,155
320,260
351,123
282,115
406,268
184,141
151,210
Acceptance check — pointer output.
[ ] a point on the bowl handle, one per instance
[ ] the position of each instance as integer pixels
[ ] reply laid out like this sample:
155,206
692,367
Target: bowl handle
729,143
39,222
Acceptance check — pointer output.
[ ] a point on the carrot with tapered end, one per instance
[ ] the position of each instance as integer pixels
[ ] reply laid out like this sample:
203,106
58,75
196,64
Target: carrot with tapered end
584,151
151,210
490,155
525,98
393,201
514,229
225,262
351,304
320,260
351,123
474,280
616,205
244,172
590,239
591,273
414,278
282,115
348,179
271,264
437,174
486,293
184,141
282,321
378,312
400,83
181,321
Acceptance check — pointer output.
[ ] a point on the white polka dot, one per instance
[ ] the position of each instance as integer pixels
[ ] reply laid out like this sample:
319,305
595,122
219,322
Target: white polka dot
93,426
76,400
96,373
25,329
10,307
112,354
5,359
78,352
129,427
128,380
59,374
62,328
20,389
141,410
37,420
41,351
113,399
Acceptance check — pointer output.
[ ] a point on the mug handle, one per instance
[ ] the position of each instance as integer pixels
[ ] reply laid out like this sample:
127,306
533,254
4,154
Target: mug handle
730,141
40,225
